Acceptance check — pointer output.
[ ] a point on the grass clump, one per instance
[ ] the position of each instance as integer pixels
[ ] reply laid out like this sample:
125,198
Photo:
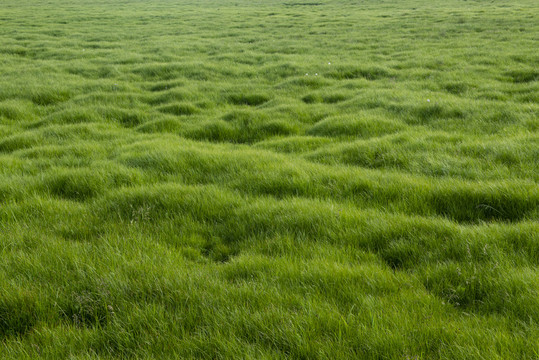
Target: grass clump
248,99
361,125
179,109
18,311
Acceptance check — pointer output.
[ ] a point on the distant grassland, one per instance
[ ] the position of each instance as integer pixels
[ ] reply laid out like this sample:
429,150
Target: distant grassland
269,179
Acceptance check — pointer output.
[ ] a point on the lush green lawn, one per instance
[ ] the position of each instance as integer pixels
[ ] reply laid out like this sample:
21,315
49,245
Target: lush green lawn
269,179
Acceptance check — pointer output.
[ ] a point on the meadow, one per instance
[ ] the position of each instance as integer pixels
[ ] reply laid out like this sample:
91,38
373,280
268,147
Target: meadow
277,179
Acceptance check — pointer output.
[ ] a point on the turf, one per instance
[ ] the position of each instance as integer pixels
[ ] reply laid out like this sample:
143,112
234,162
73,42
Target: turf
269,179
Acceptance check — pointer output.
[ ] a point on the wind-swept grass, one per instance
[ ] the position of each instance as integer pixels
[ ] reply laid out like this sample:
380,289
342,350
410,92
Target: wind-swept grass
303,180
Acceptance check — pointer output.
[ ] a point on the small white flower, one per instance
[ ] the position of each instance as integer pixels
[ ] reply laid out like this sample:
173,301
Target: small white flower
329,63
316,74
306,74
428,100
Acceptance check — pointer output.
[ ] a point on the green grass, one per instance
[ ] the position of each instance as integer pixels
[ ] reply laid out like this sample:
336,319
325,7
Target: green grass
269,179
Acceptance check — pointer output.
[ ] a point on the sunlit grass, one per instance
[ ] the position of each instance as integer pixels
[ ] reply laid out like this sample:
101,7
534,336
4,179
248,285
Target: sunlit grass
269,179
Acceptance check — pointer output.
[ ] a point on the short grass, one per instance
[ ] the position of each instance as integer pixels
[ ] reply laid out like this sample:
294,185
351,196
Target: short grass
269,179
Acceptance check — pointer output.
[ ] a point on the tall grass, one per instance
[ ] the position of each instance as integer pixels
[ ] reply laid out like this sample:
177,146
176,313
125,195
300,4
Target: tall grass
269,179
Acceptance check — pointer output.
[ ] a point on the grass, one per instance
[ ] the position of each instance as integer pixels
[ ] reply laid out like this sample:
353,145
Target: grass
269,179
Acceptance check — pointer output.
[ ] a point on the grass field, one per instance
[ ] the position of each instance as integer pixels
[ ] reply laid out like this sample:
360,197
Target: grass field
235,179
